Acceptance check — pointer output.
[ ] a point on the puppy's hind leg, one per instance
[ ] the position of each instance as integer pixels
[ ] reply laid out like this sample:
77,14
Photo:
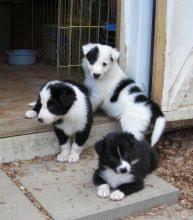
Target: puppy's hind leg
34,112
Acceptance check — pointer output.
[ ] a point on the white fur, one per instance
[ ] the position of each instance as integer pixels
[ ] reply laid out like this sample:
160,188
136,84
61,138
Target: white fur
75,153
124,165
31,114
65,152
117,195
103,190
44,113
134,117
115,179
32,104
86,48
158,130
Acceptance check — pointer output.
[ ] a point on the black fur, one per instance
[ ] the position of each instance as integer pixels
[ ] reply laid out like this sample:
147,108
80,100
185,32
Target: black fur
38,105
62,98
62,137
119,88
130,150
92,55
134,89
156,112
82,136
140,98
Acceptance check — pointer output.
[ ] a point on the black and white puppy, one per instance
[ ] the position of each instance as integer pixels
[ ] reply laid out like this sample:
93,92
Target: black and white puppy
66,105
124,162
112,91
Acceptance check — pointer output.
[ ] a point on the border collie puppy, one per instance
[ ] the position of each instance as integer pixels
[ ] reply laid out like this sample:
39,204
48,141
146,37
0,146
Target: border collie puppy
123,164
111,90
66,105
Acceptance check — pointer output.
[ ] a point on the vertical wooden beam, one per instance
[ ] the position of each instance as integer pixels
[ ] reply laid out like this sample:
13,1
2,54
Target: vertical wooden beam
159,51
118,24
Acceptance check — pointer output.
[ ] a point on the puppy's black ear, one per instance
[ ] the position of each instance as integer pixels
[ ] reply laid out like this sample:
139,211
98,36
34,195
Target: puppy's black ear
67,96
99,147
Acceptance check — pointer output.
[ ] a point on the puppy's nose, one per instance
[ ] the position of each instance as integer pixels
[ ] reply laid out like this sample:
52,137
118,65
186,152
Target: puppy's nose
40,120
96,75
123,170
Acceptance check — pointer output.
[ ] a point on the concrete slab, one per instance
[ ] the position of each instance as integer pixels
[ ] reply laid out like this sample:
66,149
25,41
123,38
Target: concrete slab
173,212
13,203
66,191
25,147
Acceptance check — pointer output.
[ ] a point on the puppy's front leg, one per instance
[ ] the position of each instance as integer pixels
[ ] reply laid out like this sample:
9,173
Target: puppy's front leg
103,189
127,189
36,109
64,144
78,145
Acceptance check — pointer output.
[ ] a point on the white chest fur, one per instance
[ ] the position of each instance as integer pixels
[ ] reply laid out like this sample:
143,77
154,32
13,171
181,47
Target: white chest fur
114,179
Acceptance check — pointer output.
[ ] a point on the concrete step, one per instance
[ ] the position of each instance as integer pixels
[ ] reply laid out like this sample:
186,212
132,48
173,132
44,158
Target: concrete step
28,146
66,190
14,205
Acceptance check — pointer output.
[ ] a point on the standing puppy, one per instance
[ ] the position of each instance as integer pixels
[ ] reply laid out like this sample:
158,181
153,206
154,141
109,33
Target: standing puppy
66,105
112,91
123,164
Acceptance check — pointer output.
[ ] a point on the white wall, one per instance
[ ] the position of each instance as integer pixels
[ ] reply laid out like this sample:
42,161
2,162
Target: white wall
135,40
177,97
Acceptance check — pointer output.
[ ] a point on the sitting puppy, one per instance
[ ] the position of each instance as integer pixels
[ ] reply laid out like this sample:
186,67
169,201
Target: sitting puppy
111,90
123,164
66,105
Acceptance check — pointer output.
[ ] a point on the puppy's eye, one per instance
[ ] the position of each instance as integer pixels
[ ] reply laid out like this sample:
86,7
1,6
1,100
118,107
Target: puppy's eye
126,155
104,64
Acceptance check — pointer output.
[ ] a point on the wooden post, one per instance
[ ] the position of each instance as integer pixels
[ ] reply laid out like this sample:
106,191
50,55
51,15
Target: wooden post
159,51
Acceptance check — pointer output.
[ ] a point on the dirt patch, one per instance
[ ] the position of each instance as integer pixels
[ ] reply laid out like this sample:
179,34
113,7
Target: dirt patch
176,163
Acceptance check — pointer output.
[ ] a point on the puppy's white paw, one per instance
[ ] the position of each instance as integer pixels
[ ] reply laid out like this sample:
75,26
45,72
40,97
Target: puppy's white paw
117,195
31,114
62,157
31,104
103,191
74,157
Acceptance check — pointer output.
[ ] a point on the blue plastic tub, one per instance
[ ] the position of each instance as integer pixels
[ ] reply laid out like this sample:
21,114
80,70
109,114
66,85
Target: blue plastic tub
21,57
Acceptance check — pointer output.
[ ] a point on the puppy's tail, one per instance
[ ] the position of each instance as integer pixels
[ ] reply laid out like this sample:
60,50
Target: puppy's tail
159,125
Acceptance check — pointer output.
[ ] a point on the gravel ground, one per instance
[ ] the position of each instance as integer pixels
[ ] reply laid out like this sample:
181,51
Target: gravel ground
176,164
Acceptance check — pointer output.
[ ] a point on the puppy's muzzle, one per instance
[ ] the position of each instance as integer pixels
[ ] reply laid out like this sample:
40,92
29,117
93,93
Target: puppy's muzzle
96,75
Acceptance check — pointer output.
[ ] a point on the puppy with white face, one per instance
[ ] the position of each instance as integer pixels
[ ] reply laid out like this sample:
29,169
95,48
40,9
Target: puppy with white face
99,59
112,91
66,105
123,164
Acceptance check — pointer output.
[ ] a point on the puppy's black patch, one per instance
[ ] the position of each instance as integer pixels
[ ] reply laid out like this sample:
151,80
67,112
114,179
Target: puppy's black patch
92,55
122,84
61,100
156,111
140,98
134,89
